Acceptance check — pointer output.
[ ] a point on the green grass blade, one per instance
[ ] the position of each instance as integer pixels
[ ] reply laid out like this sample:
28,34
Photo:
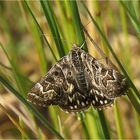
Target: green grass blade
77,24
39,48
91,121
15,72
35,112
53,26
66,29
134,100
38,40
118,122
104,125
19,75
41,32
136,105
84,122
129,8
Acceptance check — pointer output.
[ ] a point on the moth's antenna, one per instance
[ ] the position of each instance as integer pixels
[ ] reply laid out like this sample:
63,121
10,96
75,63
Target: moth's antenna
94,43
98,49
82,44
88,23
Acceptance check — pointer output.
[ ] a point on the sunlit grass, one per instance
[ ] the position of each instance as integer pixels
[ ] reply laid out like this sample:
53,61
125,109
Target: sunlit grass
51,28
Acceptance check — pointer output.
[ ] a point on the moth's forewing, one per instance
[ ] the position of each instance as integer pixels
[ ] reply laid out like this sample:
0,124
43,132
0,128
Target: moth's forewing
77,81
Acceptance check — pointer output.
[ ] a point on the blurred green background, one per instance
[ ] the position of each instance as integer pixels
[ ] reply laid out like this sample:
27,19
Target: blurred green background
35,34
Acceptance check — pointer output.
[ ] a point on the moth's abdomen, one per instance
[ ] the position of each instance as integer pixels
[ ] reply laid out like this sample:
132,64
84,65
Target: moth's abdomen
82,81
79,67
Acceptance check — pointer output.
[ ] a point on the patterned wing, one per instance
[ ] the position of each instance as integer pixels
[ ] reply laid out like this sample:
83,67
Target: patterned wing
48,91
60,87
77,81
104,84
99,100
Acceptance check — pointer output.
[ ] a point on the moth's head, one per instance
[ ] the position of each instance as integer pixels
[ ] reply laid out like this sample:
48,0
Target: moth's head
118,86
75,48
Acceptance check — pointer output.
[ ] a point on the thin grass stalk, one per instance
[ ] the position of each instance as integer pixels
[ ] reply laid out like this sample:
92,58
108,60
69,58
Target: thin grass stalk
39,48
40,117
64,24
80,38
104,125
66,28
129,8
23,133
20,75
21,124
53,26
84,122
92,126
41,32
4,66
136,104
100,23
126,48
18,81
118,122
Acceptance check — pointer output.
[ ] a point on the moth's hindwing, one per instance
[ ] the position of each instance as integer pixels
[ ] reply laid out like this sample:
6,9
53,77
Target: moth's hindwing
77,81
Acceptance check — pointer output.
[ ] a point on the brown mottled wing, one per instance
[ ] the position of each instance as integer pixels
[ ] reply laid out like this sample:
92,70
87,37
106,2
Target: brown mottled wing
48,91
104,84
60,87
77,81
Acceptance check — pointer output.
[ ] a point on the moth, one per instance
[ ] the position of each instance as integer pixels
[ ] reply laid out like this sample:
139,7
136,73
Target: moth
78,81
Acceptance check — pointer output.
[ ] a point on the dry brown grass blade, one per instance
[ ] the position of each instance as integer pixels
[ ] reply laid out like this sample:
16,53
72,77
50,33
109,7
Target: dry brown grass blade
13,120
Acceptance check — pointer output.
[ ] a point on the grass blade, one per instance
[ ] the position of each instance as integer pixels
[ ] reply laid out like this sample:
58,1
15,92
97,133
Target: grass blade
118,122
35,112
52,24
77,24
41,32
84,124
15,72
13,121
129,8
104,124
91,120
32,27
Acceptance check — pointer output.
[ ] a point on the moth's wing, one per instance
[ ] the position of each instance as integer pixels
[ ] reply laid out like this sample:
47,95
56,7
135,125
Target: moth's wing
109,81
99,100
75,102
49,90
